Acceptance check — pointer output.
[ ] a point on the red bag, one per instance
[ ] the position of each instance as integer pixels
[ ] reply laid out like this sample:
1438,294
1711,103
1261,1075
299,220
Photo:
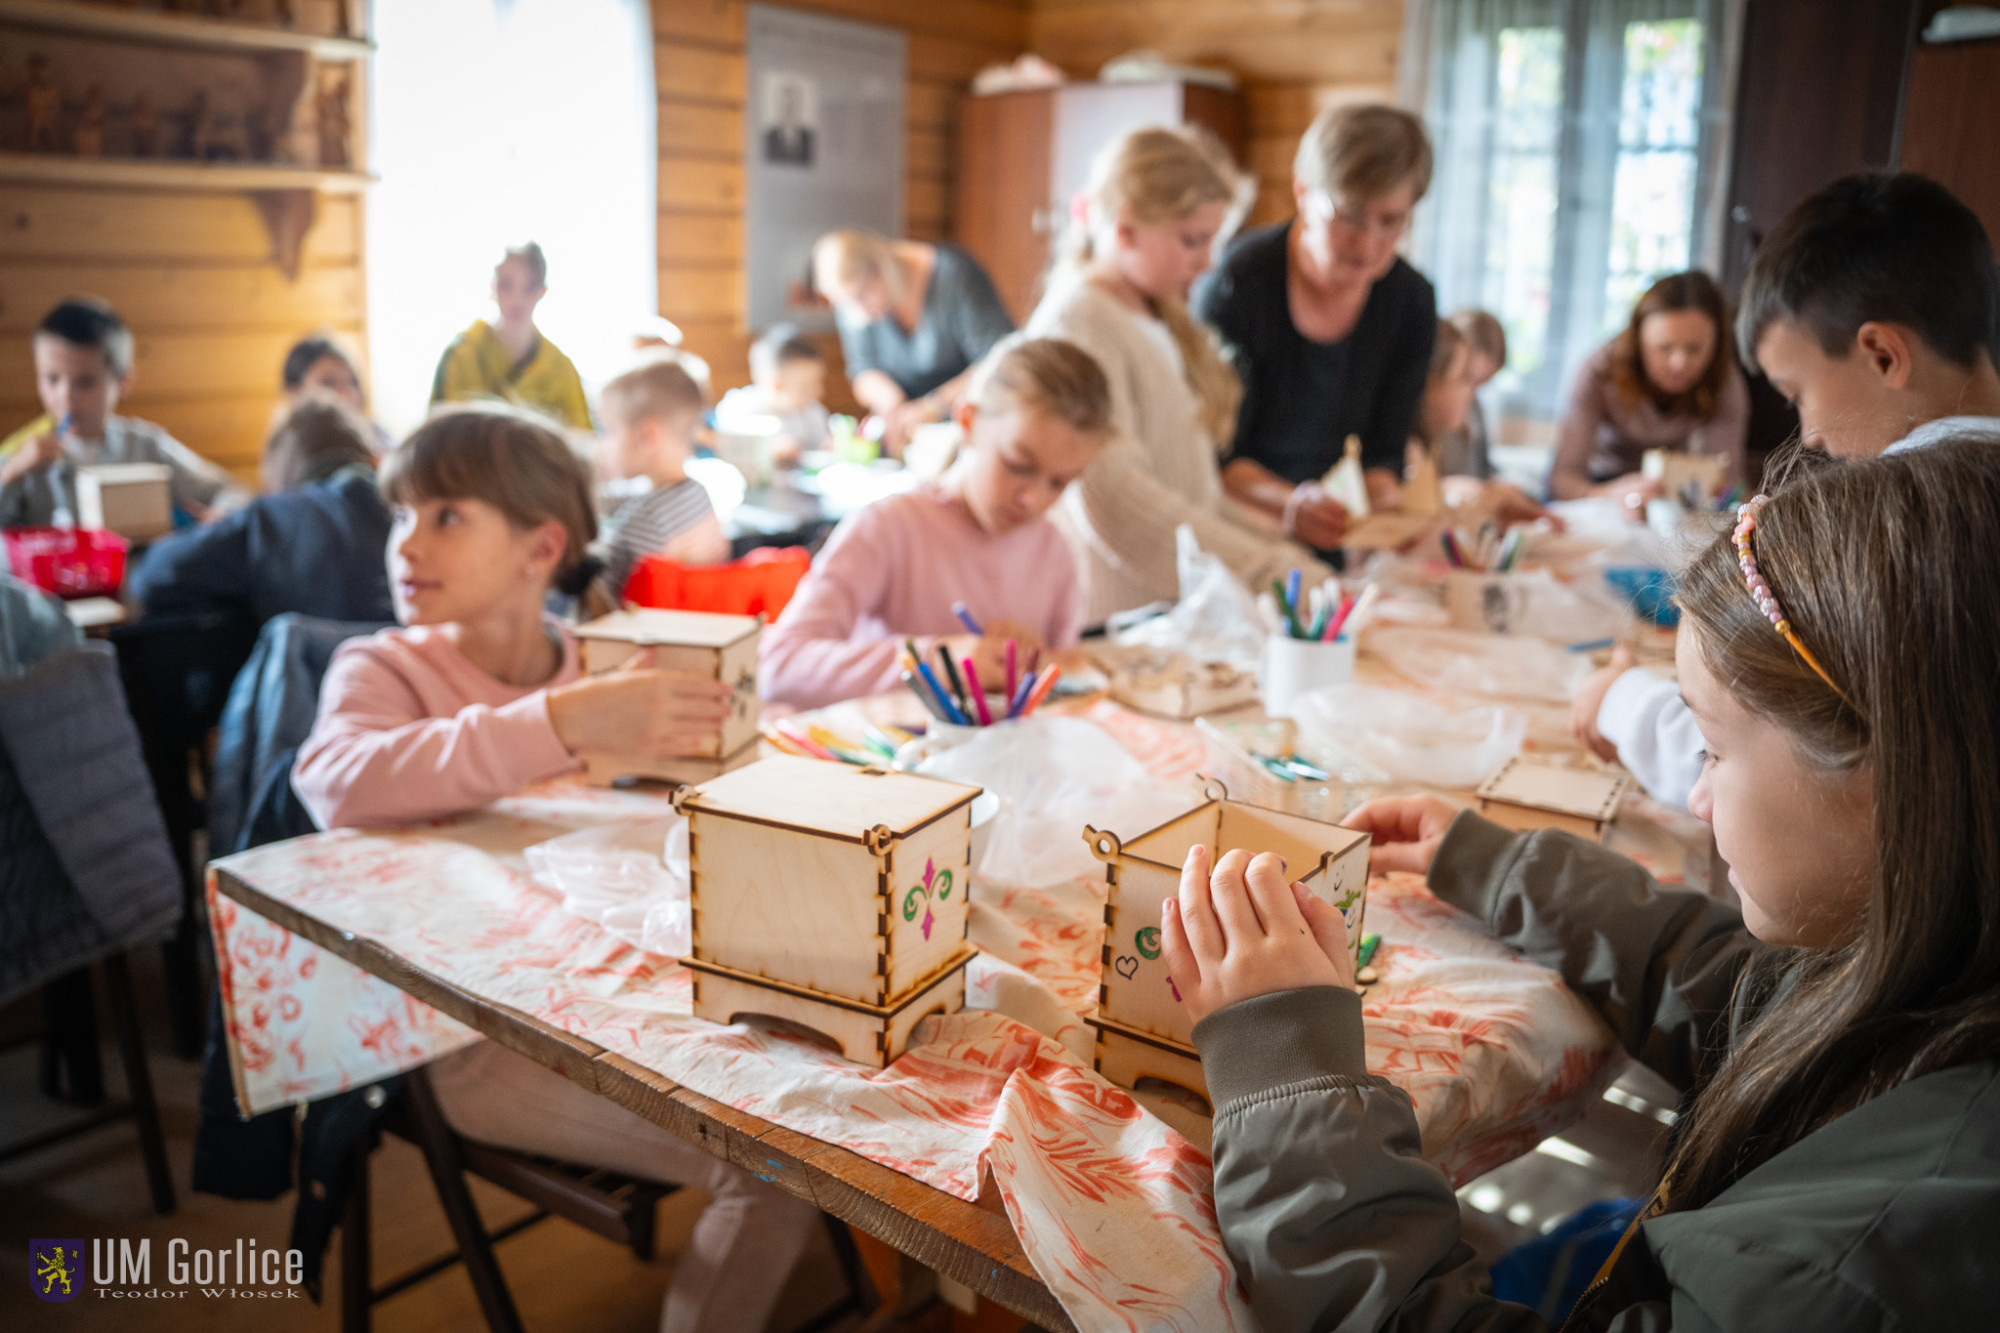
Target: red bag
69,562
761,583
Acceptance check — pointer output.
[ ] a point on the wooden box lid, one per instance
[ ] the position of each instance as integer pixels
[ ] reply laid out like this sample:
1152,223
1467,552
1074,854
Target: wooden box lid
1580,793
684,629
827,800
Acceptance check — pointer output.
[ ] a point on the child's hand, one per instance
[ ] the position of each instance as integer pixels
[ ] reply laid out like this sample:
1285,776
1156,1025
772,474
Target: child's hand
33,456
988,651
1590,699
1314,517
639,710
1246,931
1406,831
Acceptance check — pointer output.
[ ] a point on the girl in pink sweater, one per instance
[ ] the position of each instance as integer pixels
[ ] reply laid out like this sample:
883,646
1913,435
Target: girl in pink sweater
1035,416
478,696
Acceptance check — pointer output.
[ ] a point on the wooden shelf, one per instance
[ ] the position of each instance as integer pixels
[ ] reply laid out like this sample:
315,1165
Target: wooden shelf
103,20
170,174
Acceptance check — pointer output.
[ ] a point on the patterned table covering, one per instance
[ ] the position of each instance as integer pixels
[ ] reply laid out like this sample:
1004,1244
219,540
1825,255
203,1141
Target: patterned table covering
1110,1195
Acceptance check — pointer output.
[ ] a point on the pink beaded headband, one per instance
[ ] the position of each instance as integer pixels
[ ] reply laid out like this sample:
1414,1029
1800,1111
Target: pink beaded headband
1767,602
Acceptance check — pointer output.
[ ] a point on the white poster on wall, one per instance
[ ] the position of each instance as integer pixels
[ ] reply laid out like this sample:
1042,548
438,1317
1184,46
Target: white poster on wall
823,148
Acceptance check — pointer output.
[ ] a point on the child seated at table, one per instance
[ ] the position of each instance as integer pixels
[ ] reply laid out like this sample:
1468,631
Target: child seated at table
1444,414
1838,1163
83,366
788,376
478,697
651,413
1874,307
1035,415
312,544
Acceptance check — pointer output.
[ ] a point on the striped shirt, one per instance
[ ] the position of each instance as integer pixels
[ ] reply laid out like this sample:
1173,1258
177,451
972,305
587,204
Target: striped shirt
645,525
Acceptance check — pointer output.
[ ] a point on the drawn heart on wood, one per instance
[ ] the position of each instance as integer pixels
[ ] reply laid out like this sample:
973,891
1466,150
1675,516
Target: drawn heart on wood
1127,965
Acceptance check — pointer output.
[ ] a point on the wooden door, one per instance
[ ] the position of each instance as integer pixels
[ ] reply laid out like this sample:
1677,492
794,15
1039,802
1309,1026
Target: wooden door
1003,212
1951,123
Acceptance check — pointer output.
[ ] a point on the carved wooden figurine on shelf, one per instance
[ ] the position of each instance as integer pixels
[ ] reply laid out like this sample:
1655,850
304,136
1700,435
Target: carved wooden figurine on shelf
44,102
88,138
144,124
335,119
200,124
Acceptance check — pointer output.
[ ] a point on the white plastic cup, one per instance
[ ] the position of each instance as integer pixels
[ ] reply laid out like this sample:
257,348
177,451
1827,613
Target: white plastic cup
1293,667
1488,603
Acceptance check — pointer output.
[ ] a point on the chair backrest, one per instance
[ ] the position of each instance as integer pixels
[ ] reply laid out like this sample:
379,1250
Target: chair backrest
270,713
73,766
760,583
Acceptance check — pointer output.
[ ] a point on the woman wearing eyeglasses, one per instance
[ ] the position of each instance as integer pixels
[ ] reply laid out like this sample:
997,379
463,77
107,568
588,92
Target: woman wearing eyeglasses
1330,331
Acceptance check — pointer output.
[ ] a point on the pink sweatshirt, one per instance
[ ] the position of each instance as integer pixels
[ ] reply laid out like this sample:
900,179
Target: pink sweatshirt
894,569
409,729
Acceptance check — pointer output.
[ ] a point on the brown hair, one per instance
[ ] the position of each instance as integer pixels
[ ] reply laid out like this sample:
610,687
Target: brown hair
664,385
1163,175
1484,331
510,459
1049,375
530,254
1363,152
1693,290
1446,349
315,439
1862,557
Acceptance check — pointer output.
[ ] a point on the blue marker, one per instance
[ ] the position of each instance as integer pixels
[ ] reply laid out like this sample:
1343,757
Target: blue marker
950,707
965,619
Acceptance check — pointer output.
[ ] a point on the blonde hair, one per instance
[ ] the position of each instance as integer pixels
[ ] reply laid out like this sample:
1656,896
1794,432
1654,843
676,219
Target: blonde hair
1049,375
667,384
843,258
1163,175
1484,331
1364,152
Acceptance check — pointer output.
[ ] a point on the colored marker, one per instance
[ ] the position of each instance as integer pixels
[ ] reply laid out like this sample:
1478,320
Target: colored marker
965,619
1048,683
1012,679
978,694
951,713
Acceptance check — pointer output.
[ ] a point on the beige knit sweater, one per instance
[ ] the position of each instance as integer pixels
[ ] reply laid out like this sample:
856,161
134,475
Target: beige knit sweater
1158,471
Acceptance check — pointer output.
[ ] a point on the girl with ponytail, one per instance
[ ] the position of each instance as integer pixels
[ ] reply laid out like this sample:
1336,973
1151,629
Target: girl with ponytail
1157,201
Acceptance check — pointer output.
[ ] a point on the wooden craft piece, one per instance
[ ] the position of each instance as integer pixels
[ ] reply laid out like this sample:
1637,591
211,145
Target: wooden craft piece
1136,992
724,647
826,885
1676,471
1346,482
1174,685
604,770
867,1034
1529,795
130,499
1423,491
1125,1055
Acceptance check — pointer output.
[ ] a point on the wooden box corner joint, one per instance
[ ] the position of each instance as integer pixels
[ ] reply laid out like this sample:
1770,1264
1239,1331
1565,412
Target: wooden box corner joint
724,647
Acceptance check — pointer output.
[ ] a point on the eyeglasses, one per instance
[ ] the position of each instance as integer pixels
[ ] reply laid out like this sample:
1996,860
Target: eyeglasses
1355,218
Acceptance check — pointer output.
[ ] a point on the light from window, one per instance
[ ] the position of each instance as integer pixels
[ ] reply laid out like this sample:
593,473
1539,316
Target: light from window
1520,240
1652,202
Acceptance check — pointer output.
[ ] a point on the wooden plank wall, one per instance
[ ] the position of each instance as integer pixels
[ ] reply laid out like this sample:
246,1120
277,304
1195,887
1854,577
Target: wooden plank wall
193,277
1293,56
698,64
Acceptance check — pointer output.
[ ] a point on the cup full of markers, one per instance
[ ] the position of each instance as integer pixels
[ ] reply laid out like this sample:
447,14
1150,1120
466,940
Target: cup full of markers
954,693
1311,638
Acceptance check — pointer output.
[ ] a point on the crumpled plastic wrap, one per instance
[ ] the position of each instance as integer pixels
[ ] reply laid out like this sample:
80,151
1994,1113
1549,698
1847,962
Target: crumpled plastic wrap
1369,734
1508,666
1216,618
632,879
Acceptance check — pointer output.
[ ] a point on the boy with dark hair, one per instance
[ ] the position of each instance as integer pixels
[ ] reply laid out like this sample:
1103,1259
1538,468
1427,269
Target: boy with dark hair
788,378
83,365
1874,307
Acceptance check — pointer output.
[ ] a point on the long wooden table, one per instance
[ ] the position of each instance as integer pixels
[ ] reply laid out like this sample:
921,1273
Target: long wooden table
970,1243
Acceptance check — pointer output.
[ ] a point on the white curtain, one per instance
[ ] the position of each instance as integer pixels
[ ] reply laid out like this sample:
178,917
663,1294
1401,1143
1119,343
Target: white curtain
1580,152
495,122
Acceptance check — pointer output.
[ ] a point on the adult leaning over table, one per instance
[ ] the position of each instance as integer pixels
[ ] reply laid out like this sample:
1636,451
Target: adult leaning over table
1156,201
1330,330
914,317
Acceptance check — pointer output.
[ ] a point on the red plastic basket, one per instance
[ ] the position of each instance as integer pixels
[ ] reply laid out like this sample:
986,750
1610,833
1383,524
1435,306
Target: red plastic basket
69,562
761,583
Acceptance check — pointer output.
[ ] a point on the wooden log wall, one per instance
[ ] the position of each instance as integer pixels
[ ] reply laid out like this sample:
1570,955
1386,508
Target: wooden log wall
1293,56
193,276
698,64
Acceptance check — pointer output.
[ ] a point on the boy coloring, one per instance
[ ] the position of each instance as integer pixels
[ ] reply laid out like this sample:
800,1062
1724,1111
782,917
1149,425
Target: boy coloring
650,416
788,377
83,366
1874,307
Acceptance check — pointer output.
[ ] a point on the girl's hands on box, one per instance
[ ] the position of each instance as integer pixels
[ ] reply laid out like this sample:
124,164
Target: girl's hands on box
639,710
1246,930
1406,831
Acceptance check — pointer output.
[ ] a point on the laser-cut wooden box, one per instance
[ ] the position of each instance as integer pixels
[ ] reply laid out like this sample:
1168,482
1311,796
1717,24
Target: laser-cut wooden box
721,646
1142,1029
133,500
829,896
1527,795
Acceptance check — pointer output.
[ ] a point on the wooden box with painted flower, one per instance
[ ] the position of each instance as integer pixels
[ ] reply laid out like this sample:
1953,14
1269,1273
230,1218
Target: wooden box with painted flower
1142,1029
830,897
713,645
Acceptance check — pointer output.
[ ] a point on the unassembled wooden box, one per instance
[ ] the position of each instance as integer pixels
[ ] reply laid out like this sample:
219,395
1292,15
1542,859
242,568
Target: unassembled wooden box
130,499
1142,1029
1174,684
831,897
721,646
1528,795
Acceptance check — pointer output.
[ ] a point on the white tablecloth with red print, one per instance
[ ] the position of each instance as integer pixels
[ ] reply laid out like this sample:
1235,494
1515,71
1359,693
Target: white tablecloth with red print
1110,1200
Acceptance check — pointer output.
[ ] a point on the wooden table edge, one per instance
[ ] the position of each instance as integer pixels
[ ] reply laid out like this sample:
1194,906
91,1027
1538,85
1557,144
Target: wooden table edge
973,1245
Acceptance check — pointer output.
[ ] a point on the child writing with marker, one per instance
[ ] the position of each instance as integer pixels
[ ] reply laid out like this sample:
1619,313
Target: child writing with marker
479,695
1035,416
1837,1166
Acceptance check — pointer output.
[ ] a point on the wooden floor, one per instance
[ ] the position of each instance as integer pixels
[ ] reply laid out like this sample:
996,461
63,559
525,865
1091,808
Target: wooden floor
562,1277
